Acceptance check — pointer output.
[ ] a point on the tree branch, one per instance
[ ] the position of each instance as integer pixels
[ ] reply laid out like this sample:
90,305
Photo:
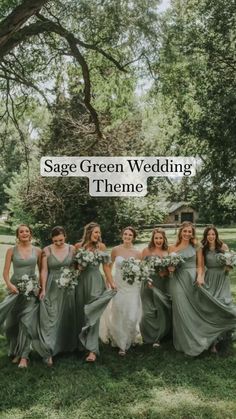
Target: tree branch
16,19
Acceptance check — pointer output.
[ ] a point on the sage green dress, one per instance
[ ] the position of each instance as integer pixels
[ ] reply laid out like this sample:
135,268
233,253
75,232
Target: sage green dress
18,312
92,298
198,317
156,310
217,281
56,331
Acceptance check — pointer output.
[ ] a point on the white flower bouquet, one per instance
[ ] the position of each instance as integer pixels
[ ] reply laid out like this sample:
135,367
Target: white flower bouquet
134,271
157,264
28,285
102,257
85,257
68,278
227,259
173,259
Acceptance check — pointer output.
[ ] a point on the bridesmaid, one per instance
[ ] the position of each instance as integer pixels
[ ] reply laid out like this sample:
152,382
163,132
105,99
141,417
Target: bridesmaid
57,321
198,318
122,317
92,296
17,310
156,308
211,273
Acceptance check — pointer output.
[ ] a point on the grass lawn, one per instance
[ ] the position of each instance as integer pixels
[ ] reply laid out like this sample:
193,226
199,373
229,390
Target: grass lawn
147,384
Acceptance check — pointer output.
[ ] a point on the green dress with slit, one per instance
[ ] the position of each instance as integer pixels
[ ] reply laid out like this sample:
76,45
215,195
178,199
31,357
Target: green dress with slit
198,317
156,310
92,298
56,330
18,312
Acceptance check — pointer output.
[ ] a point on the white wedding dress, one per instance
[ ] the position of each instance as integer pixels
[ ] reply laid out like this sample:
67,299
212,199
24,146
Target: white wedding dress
119,323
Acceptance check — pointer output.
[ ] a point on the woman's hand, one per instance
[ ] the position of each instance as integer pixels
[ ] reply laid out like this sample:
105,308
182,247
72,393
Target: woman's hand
150,284
200,281
163,273
113,285
171,268
12,288
228,268
42,294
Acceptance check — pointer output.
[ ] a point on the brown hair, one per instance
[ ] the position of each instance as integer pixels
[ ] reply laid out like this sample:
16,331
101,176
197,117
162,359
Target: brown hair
193,240
151,244
131,229
88,229
205,243
56,231
23,225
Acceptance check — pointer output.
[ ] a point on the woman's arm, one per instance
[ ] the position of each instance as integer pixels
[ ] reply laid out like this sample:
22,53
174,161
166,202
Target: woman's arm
6,272
200,268
43,274
107,267
39,257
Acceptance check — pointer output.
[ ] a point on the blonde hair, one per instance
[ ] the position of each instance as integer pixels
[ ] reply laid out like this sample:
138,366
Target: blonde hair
193,240
88,229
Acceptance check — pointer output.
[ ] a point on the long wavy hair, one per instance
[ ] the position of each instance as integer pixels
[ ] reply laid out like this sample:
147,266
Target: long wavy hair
86,239
193,240
151,244
205,243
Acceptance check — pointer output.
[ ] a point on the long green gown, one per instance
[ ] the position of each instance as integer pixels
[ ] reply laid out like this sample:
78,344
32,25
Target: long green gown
92,298
156,310
56,331
198,317
217,281
17,312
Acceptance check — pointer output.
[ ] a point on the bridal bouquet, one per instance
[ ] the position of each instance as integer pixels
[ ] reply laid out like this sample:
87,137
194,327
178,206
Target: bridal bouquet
68,278
28,285
131,270
227,259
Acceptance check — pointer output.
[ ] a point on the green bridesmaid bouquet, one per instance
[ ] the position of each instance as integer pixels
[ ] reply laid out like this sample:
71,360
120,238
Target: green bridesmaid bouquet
28,286
85,258
173,260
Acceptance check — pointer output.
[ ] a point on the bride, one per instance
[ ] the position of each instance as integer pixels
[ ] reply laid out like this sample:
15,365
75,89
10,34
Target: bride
120,321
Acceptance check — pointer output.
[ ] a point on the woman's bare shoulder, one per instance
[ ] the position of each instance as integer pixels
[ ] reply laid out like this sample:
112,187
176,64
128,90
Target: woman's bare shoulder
78,245
102,247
